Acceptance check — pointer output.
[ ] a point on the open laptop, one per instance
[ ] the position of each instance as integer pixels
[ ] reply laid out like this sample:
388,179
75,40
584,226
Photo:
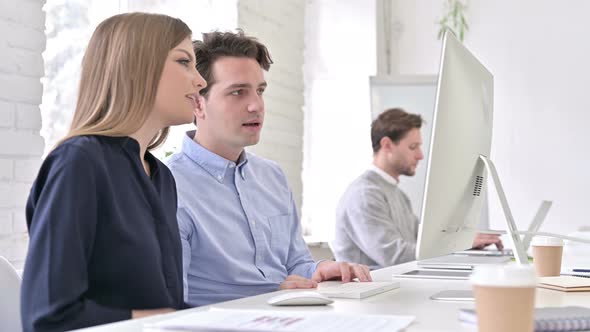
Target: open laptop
435,274
461,262
467,259
485,252
534,227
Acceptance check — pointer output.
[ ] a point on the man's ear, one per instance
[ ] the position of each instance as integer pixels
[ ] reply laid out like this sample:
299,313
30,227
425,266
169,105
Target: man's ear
199,111
386,143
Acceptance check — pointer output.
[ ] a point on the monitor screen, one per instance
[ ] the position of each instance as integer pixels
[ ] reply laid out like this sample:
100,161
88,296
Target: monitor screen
461,132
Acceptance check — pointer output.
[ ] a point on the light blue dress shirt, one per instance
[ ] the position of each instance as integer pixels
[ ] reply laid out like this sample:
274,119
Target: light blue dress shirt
238,225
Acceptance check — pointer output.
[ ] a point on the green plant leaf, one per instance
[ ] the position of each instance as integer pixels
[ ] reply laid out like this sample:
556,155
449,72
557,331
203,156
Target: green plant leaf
453,19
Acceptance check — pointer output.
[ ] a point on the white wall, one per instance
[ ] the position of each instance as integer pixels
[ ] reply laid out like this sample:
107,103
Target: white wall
279,25
22,39
537,51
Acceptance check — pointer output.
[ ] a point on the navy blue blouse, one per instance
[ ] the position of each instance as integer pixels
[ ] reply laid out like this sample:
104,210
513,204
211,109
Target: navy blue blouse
103,237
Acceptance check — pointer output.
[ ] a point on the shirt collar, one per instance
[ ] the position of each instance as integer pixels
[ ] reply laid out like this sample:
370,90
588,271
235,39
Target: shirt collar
131,146
214,164
384,174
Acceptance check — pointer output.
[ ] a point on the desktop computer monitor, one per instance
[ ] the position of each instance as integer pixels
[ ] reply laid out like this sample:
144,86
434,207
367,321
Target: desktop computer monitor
461,132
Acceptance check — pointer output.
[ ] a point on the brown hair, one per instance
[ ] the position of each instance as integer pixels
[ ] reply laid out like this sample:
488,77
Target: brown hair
219,44
394,123
121,70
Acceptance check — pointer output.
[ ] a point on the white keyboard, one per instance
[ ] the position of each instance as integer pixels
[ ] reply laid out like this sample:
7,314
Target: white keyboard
356,290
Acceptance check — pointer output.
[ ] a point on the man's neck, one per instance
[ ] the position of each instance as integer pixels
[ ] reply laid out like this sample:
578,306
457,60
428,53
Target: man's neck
383,166
224,152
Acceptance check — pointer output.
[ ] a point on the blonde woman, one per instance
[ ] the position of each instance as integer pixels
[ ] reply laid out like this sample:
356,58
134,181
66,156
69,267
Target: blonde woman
104,242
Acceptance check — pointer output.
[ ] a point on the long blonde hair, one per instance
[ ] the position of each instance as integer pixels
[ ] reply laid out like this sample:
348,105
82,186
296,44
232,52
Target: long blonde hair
121,70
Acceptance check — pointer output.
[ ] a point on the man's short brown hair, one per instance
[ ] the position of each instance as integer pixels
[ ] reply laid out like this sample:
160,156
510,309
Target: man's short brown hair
218,44
394,123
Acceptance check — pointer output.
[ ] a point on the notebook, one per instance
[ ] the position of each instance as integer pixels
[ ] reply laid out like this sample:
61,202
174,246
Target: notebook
548,319
356,290
566,283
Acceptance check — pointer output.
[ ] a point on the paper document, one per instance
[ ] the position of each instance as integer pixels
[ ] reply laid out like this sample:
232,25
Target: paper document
272,320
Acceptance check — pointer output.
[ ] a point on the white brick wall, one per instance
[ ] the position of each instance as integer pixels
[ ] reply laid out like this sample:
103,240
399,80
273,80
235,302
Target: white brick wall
22,40
279,25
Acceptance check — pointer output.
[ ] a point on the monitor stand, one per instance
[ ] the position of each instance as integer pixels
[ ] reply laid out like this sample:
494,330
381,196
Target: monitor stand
517,245
514,235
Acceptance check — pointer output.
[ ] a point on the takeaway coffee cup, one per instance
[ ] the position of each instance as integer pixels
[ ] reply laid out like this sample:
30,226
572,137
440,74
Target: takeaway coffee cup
547,252
504,297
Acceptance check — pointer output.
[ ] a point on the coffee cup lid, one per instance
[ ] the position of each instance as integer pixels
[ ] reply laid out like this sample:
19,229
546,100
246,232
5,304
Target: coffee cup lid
548,241
508,275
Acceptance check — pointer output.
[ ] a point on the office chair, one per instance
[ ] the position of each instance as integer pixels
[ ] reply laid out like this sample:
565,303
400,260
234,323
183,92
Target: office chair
10,297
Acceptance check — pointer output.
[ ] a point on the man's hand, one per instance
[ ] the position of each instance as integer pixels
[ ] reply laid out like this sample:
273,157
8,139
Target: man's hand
294,281
483,240
136,314
329,270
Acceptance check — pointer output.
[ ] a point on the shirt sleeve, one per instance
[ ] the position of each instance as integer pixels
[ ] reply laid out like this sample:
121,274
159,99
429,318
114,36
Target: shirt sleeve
186,228
374,230
299,260
62,213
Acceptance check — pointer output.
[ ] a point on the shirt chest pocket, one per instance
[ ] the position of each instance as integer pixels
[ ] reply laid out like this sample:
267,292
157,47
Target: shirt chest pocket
280,240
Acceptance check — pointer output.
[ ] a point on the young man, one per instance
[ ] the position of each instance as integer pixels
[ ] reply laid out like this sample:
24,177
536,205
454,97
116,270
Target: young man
375,224
238,222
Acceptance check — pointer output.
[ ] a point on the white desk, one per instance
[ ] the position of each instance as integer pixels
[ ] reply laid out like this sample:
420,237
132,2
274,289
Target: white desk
412,298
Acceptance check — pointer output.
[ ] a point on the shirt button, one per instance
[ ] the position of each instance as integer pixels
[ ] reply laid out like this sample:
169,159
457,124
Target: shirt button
242,173
219,177
232,166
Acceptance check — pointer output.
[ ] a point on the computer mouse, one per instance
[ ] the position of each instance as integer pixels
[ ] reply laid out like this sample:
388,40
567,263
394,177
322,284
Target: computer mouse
299,298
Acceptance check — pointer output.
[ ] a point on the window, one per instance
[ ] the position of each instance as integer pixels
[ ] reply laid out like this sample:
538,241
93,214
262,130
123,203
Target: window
337,142
69,25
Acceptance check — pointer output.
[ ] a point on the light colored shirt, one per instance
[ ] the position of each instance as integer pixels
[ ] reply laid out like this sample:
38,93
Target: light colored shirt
238,225
375,224
384,174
